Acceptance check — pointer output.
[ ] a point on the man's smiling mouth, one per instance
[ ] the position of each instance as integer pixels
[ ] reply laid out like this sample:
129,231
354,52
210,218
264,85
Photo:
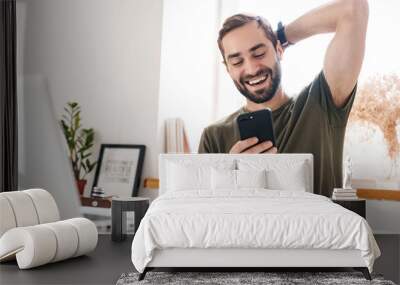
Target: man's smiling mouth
258,80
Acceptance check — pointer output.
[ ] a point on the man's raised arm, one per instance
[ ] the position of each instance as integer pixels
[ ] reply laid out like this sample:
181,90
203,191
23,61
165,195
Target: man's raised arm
345,53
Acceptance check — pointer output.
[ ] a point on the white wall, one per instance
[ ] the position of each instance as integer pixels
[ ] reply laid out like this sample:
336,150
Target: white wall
105,55
188,66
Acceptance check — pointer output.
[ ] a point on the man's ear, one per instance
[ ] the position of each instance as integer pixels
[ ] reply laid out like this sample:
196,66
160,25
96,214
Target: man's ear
279,50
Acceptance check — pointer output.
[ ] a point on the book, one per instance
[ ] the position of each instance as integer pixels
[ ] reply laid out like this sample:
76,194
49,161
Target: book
345,194
344,190
171,135
175,136
346,198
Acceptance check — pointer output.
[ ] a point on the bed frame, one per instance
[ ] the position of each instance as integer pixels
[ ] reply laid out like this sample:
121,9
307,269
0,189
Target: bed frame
245,259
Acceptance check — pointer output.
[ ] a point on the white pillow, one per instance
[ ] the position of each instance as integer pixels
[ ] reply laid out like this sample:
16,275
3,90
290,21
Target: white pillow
283,175
183,177
251,178
293,179
228,179
223,179
190,174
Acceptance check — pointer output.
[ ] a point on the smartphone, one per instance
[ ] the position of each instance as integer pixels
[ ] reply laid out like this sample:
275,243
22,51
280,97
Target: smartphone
257,124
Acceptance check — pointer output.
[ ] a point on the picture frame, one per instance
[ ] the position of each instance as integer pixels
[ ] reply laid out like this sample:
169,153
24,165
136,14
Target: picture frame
119,169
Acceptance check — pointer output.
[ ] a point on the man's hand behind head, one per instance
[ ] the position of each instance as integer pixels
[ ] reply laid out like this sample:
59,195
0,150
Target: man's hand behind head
251,145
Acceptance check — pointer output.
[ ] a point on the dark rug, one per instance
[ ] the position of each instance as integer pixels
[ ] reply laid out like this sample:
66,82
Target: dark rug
229,278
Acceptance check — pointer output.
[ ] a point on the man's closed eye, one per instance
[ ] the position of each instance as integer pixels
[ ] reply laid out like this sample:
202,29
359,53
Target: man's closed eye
237,62
259,55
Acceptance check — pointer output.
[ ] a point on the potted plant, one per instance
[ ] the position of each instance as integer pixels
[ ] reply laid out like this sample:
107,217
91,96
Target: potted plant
80,142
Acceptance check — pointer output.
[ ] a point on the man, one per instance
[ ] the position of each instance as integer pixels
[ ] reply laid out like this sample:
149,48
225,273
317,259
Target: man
314,121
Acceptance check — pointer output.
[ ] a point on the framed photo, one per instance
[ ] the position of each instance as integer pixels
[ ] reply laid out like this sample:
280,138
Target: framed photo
119,169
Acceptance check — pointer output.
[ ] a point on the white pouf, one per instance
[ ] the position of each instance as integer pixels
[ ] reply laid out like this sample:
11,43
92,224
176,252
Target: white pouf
37,245
7,220
23,209
45,205
31,233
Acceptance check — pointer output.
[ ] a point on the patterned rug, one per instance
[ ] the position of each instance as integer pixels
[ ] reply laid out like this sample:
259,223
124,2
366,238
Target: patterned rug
243,278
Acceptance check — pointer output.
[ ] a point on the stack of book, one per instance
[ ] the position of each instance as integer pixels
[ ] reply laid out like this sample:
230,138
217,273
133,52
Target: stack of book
344,194
176,138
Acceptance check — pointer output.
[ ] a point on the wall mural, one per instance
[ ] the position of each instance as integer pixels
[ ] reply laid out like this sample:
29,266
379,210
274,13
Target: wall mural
373,132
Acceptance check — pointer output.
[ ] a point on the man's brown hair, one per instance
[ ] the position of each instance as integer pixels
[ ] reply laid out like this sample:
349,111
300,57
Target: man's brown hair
238,20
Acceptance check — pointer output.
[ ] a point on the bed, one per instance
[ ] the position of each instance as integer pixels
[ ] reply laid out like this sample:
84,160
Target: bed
246,211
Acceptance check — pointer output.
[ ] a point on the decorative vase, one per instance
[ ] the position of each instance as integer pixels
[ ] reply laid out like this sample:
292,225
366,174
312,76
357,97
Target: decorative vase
81,186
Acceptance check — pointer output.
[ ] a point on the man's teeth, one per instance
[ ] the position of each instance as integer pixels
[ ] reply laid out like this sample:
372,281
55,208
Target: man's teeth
258,80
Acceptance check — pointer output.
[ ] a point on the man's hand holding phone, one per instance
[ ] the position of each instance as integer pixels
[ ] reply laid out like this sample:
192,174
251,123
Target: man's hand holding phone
256,133
251,145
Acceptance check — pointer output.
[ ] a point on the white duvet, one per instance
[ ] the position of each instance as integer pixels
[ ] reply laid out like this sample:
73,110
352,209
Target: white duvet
250,218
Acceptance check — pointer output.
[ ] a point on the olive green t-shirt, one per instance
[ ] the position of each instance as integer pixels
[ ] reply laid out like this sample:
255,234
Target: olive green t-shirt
308,123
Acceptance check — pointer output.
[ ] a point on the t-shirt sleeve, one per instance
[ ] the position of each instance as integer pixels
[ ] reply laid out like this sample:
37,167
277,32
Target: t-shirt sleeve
205,144
320,91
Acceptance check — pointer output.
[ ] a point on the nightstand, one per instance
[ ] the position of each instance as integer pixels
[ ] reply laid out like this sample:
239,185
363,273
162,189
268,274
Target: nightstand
119,207
357,205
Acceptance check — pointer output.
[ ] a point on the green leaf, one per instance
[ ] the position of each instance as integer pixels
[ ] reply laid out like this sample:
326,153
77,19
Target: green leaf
84,167
92,166
86,155
76,113
77,123
73,104
88,164
90,137
63,124
66,110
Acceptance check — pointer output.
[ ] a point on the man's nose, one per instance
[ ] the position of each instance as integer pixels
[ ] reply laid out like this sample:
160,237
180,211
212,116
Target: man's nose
251,68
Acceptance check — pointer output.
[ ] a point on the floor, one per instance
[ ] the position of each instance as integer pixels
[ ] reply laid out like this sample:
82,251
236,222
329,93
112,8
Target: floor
111,259
103,266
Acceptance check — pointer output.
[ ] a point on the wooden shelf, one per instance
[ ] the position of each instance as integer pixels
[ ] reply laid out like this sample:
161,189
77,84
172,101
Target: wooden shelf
379,194
151,183
96,202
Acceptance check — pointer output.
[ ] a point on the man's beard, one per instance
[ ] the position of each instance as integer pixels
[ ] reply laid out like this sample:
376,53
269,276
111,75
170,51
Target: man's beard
265,94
